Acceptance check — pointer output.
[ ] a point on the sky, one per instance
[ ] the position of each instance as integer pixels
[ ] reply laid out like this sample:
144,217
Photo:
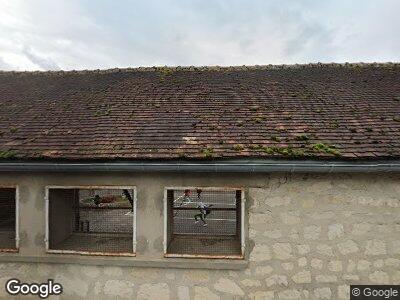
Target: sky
88,34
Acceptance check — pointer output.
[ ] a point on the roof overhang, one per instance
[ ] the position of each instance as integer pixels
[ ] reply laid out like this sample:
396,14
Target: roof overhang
224,166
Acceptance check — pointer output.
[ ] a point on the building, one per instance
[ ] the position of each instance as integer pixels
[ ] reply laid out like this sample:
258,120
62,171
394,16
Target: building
102,174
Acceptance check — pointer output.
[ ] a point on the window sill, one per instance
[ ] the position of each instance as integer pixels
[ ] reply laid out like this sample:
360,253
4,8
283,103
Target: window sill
9,250
202,256
88,253
179,263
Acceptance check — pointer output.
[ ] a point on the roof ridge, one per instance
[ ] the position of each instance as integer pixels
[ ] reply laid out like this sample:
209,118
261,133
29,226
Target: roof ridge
206,68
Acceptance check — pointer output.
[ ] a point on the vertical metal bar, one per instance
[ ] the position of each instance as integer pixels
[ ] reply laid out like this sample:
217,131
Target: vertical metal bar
17,217
87,226
46,198
238,197
134,218
165,221
243,209
76,205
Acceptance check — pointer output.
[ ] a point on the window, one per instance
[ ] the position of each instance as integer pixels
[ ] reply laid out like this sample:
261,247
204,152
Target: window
91,220
203,222
8,219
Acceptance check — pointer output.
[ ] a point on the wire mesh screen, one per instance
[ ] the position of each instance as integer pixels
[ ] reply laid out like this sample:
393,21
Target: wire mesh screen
203,222
97,221
7,218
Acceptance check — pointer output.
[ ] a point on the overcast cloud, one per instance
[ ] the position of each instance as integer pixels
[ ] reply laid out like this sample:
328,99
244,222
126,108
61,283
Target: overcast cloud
87,34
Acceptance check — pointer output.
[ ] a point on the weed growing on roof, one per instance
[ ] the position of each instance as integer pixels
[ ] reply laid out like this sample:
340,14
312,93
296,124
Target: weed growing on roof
335,125
254,147
208,152
13,129
238,147
396,98
258,120
7,154
324,148
302,137
278,150
397,119
164,72
275,138
289,151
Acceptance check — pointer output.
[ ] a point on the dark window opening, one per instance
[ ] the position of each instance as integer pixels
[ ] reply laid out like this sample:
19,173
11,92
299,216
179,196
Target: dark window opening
93,221
7,219
204,222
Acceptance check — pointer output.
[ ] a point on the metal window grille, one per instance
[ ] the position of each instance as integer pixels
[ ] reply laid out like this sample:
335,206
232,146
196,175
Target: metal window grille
203,222
91,221
7,219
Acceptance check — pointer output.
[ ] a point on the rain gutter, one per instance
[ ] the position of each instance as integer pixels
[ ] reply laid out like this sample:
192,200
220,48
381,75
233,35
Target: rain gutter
222,166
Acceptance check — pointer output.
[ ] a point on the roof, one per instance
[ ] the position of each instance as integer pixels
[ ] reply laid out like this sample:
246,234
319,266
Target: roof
320,111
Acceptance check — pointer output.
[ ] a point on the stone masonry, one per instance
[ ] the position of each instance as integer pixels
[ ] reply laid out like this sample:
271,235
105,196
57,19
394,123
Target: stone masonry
308,237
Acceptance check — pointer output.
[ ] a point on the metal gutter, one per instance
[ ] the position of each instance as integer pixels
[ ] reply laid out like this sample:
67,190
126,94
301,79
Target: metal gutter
237,166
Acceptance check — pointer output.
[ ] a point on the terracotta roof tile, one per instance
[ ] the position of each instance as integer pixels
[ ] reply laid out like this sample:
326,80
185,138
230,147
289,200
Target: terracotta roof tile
307,111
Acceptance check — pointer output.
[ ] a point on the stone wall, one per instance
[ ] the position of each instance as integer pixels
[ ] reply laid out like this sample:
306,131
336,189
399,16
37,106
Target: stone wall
309,237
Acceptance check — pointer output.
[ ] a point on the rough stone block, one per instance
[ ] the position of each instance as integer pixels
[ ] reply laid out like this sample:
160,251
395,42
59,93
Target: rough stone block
260,253
289,295
202,292
302,277
158,291
312,232
375,247
279,280
282,251
335,231
348,247
227,286
323,293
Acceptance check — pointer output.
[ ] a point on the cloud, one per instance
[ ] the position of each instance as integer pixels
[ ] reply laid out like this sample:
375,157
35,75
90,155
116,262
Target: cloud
5,66
81,34
43,63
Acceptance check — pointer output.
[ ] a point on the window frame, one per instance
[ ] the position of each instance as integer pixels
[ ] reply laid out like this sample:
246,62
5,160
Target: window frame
89,187
207,256
16,249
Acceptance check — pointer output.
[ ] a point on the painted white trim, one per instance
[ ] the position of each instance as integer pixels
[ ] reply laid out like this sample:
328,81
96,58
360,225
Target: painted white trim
17,220
91,187
204,188
134,224
94,253
46,200
165,242
242,226
203,256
